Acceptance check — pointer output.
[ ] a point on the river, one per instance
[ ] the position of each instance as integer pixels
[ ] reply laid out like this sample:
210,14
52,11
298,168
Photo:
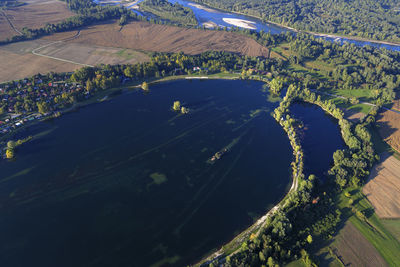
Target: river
205,16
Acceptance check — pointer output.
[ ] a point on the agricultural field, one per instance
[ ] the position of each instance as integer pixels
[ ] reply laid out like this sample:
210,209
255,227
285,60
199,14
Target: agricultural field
17,67
389,128
383,187
162,38
353,249
109,44
34,14
53,54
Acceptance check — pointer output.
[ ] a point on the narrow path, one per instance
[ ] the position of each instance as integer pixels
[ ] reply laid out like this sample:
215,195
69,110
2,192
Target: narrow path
34,51
365,103
11,24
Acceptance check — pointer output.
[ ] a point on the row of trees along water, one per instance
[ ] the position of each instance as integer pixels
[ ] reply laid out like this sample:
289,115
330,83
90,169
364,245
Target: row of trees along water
311,211
57,91
375,19
374,71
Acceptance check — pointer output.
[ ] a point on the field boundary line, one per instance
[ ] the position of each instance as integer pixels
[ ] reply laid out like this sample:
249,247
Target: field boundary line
9,22
34,51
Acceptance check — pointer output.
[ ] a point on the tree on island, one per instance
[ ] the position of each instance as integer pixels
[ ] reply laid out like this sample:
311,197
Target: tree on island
145,86
184,110
176,106
9,153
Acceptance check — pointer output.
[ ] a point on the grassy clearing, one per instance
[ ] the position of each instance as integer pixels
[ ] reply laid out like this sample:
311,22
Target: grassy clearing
320,65
393,226
129,54
360,94
297,263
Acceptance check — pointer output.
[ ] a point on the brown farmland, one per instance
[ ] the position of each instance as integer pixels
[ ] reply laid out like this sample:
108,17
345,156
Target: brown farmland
162,38
389,128
383,187
34,14
108,44
354,249
25,65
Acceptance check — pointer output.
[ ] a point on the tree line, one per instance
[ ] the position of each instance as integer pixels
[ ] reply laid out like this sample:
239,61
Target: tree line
374,19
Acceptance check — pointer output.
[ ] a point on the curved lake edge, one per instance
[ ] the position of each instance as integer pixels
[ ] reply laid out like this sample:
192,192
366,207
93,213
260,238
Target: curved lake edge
319,34
298,175
256,227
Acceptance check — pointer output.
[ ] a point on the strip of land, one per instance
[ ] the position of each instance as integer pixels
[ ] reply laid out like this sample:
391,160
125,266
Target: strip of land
389,125
353,249
383,187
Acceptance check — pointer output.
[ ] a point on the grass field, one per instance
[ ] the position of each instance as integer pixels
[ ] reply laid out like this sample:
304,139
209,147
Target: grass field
393,226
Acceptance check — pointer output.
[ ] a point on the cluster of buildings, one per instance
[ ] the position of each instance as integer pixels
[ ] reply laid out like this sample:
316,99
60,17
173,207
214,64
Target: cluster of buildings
20,100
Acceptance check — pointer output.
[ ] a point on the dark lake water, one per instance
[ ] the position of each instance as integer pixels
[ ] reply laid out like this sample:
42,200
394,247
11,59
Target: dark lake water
126,182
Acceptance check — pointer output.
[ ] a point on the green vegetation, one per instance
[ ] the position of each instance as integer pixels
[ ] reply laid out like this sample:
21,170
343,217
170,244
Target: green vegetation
176,106
393,225
12,145
167,11
158,178
368,19
145,86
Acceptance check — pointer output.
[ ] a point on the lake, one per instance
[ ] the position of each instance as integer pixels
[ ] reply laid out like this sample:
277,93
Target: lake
129,182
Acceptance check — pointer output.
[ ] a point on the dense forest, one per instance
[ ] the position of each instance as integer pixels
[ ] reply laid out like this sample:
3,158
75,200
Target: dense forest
167,11
375,19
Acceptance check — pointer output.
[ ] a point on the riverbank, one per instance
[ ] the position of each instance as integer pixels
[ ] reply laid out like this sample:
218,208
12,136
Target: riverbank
320,34
233,247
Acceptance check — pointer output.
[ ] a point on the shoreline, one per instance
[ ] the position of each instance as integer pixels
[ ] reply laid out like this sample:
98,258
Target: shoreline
136,85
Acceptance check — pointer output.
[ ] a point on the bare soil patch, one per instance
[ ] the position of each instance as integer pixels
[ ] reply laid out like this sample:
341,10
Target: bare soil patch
389,127
353,116
34,14
163,38
19,66
353,249
22,63
383,187
94,55
6,31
